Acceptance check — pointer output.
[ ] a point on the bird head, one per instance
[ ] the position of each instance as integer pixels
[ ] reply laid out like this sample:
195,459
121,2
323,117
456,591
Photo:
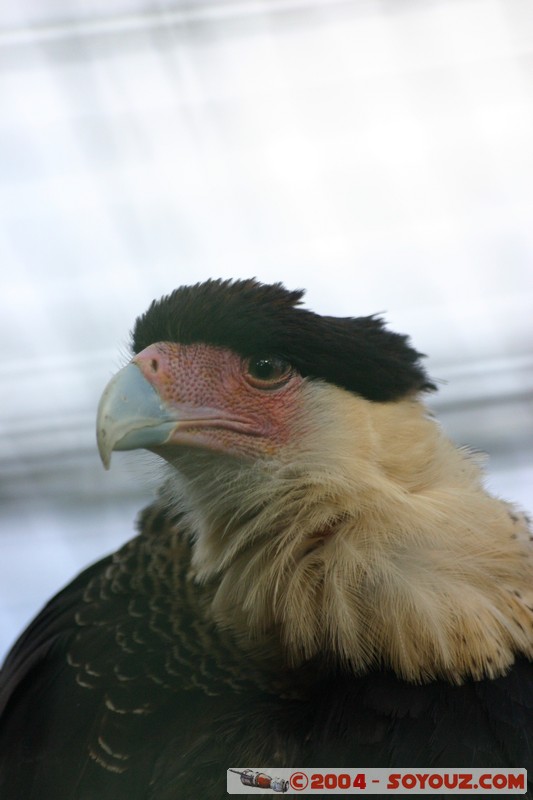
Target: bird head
327,513
223,365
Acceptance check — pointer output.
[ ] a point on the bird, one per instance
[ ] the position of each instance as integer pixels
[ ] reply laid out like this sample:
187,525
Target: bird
321,580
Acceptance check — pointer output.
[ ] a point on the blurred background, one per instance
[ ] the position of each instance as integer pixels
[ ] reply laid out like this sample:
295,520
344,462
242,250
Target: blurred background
377,152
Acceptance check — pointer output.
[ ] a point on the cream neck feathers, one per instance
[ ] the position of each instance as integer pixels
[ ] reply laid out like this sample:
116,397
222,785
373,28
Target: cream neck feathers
370,541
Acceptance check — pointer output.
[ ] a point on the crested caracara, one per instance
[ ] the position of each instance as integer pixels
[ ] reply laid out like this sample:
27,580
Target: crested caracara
322,580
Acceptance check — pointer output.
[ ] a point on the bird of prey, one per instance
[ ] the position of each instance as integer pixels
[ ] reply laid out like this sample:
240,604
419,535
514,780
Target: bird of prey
322,580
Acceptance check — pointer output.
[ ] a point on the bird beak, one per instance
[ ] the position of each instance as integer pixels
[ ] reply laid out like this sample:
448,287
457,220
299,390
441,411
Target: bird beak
131,414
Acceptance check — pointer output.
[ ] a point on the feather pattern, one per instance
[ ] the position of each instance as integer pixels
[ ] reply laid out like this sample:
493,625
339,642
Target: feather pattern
185,715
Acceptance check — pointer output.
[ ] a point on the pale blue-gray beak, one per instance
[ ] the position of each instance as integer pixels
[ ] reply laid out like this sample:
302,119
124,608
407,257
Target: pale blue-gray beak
131,415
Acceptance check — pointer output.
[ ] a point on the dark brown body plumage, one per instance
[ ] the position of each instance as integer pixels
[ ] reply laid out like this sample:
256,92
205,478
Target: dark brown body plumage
131,696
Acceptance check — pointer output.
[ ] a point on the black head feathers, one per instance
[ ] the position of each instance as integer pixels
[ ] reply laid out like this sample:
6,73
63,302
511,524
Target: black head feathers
251,318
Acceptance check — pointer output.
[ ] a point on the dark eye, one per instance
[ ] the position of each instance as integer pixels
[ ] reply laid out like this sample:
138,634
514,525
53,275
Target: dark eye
267,372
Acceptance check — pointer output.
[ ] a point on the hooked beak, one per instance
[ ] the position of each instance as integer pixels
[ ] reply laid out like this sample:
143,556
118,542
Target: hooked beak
131,415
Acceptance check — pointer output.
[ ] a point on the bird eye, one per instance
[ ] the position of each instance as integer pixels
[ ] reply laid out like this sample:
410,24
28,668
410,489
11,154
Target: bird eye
267,372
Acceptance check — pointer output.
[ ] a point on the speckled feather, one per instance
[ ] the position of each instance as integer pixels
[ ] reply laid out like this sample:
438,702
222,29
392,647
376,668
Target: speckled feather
155,705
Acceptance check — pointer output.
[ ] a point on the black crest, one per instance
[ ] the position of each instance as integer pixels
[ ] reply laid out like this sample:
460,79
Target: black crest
251,318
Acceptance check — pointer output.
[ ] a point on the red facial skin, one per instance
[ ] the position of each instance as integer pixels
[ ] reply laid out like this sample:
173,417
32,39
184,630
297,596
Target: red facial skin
221,406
